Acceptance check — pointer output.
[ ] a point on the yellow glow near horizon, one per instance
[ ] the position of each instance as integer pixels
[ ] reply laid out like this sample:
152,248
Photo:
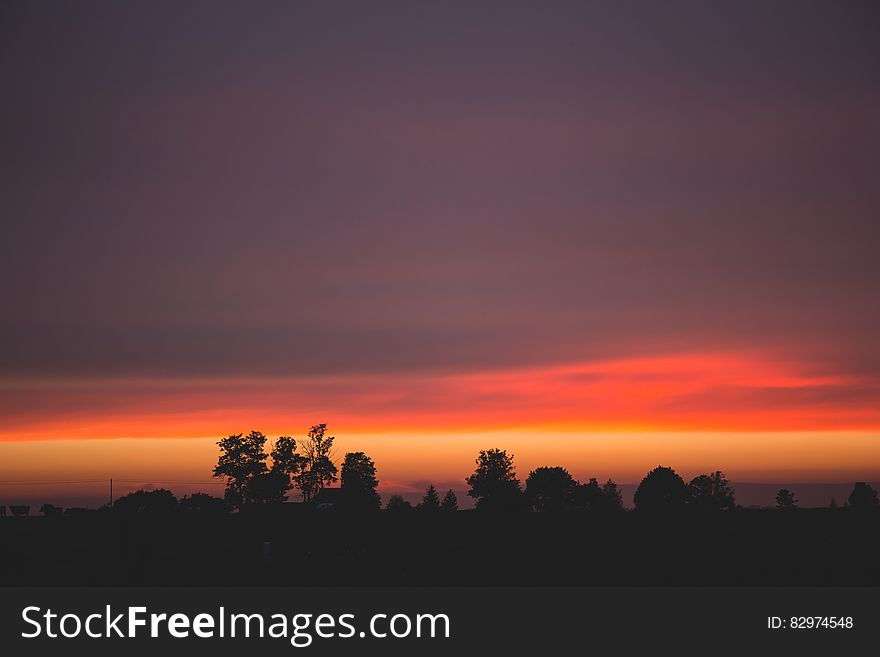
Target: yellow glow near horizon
406,461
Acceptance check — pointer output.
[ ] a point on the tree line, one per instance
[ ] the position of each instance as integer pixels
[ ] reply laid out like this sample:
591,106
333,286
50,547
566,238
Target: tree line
257,473
255,476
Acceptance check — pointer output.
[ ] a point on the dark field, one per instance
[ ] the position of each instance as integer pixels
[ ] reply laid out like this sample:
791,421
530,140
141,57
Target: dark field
745,547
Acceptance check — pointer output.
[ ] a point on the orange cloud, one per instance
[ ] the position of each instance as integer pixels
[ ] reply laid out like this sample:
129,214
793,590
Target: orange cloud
688,392
757,418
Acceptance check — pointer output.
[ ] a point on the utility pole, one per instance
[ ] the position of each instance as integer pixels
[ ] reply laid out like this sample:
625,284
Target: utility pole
111,492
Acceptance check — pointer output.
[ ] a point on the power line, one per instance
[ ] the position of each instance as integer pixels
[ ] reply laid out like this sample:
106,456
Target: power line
58,481
167,481
103,481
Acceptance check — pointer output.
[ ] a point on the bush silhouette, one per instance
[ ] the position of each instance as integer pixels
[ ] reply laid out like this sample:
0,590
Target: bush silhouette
51,511
203,503
785,500
159,500
863,497
661,490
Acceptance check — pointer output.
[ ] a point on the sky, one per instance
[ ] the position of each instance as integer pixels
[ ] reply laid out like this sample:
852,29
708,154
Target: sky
601,235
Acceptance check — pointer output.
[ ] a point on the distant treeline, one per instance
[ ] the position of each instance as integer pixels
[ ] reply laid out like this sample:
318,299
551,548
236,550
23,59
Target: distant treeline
256,477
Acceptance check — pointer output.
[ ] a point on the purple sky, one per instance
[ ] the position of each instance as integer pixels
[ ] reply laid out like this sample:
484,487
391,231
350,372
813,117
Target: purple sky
301,187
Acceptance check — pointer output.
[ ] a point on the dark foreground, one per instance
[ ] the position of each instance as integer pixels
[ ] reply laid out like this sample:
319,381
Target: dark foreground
746,547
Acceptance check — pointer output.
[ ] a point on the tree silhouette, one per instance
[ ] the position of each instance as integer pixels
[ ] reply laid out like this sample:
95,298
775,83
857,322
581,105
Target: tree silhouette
494,484
285,458
431,501
661,490
396,504
597,499
711,492
589,496
863,497
550,489
613,496
318,469
267,487
450,501
785,499
51,511
241,459
359,483
159,500
203,503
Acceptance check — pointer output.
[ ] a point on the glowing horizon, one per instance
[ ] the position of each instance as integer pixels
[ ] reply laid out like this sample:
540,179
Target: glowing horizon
755,418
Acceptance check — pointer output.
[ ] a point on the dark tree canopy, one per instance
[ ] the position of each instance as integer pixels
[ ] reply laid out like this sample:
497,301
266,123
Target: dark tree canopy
863,497
159,500
203,503
613,496
598,499
550,489
50,510
494,484
267,488
785,499
241,459
317,469
711,492
431,501
396,504
661,490
450,501
588,496
285,458
359,483
252,478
